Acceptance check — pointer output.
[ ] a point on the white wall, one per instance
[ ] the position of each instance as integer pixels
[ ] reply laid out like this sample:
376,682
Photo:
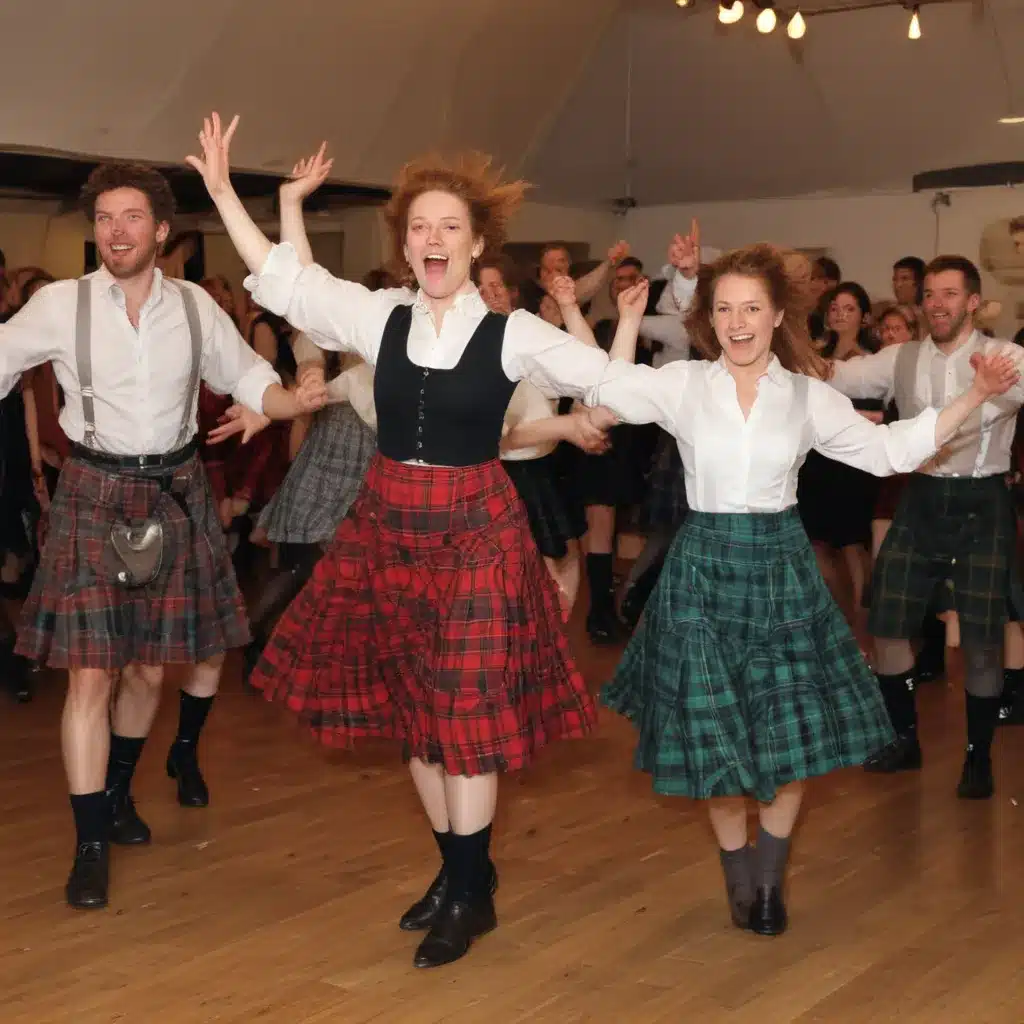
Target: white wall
866,234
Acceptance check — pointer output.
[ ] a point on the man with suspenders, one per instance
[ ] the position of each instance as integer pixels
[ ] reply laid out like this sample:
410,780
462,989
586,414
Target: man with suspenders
955,522
135,573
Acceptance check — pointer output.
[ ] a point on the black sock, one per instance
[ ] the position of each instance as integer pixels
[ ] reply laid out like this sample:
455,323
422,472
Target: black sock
770,859
191,717
982,716
125,752
898,694
467,862
599,578
441,838
92,816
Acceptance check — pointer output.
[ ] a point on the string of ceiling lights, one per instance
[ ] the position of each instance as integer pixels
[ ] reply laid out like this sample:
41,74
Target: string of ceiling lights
731,11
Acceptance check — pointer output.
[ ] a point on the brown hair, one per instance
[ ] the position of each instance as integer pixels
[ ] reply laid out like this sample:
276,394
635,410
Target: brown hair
147,180
511,275
784,275
907,314
471,178
972,279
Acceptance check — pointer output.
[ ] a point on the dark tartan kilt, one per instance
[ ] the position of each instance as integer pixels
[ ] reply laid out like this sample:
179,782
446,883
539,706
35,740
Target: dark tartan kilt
431,619
324,479
555,519
74,618
665,505
743,674
960,530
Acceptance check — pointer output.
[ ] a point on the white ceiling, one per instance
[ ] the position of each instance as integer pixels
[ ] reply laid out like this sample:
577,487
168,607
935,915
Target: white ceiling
717,113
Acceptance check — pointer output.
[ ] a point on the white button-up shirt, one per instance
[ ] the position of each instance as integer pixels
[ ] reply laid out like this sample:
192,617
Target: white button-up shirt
732,464
139,377
981,447
345,316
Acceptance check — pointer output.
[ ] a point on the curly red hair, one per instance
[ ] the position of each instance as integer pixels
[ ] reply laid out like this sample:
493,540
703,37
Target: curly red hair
470,177
785,274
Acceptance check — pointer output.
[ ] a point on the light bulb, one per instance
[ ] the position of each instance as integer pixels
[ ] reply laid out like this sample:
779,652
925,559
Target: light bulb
682,3
731,14
914,32
796,27
766,21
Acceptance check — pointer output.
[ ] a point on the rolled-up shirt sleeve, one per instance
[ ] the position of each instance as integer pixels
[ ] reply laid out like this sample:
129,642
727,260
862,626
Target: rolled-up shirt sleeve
841,433
28,339
336,314
229,365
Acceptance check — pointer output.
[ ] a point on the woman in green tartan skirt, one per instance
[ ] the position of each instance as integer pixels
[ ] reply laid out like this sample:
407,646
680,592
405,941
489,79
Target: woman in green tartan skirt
743,678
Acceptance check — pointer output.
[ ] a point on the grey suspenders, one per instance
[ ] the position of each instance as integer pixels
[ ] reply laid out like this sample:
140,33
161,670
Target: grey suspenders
83,355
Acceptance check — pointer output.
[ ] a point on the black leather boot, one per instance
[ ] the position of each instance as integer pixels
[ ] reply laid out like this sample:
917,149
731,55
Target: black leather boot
126,827
422,914
768,912
454,930
976,782
90,877
183,767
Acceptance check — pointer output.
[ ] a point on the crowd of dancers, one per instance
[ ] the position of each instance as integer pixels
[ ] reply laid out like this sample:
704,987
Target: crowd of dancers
426,455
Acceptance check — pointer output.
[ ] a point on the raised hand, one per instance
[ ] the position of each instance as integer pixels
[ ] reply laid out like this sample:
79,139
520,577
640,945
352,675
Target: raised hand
239,419
618,252
632,301
994,375
563,291
214,165
684,251
307,176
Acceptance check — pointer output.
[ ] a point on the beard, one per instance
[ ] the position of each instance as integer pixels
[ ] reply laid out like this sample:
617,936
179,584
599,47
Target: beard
124,268
954,328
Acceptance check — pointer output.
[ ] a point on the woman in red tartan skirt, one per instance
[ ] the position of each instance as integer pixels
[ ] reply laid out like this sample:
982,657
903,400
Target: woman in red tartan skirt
431,618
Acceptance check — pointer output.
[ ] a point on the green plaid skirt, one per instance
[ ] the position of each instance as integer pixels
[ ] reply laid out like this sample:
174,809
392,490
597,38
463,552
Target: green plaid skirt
961,532
743,674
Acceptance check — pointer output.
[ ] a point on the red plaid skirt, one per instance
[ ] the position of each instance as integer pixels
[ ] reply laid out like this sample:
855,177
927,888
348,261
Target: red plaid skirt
74,618
431,619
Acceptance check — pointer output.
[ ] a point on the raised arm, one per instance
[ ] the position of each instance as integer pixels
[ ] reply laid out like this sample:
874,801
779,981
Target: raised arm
592,282
340,315
866,376
563,291
307,176
841,433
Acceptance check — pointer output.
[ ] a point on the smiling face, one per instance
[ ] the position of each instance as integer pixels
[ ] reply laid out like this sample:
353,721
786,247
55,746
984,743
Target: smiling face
439,244
127,234
948,305
744,320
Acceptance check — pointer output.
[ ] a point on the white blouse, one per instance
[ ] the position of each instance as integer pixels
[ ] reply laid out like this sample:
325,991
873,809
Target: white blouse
737,465
345,316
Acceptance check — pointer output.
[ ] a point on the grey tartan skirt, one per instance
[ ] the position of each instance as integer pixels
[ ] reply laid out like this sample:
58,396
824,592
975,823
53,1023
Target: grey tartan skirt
743,674
324,479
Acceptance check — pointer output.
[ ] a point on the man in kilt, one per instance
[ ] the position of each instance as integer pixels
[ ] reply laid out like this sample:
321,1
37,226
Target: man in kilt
955,521
135,573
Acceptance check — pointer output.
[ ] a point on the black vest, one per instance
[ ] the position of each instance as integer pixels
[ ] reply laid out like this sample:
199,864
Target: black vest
444,417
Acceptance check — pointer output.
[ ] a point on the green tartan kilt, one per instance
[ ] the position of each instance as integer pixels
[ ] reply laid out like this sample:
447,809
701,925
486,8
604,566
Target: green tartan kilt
743,674
960,533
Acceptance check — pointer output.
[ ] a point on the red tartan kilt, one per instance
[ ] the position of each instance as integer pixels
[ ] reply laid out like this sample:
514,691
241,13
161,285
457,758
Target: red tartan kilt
76,617
431,619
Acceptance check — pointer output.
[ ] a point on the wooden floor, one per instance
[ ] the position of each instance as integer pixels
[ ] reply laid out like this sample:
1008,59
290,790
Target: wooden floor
279,903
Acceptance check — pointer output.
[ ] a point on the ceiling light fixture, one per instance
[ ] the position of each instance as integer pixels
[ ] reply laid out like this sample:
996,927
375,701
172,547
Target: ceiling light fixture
729,15
766,20
914,32
682,3
796,27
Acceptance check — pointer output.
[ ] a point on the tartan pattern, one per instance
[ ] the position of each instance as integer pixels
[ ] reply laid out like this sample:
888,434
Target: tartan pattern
324,479
958,529
554,519
73,618
665,505
743,675
431,619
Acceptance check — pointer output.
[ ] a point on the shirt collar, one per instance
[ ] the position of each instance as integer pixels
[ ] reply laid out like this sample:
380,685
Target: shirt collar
974,342
774,371
106,280
468,301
